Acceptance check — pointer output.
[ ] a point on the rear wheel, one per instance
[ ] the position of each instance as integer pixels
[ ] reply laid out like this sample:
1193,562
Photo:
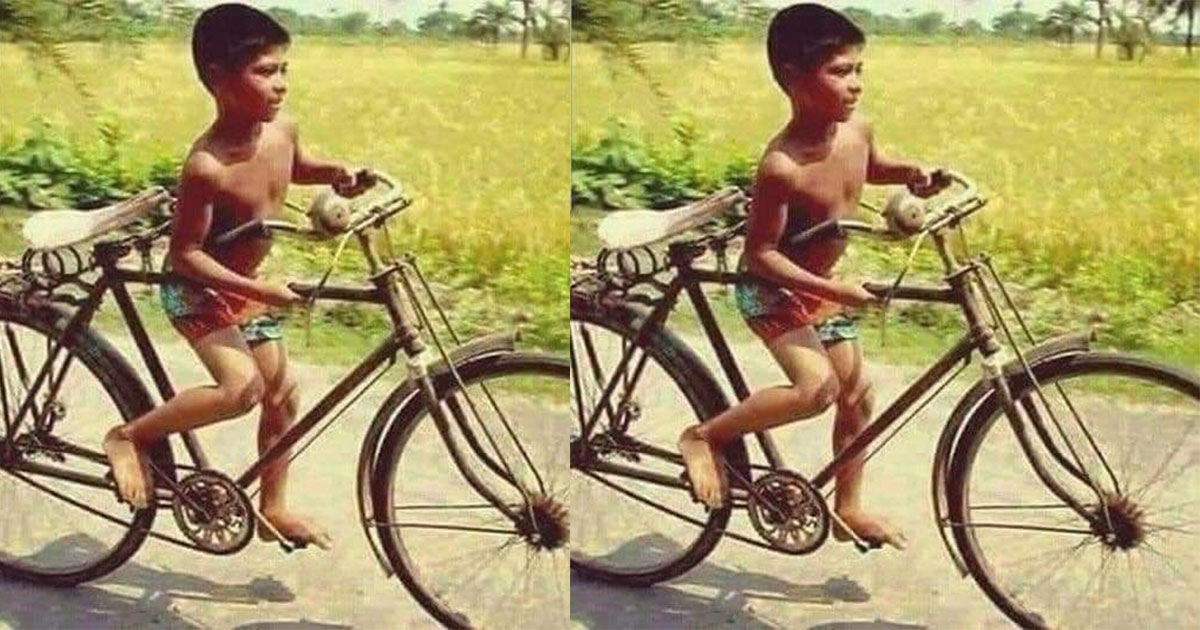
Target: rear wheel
630,526
1132,564
60,521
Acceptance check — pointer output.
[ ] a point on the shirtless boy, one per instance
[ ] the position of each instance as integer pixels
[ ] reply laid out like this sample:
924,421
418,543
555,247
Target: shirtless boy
811,171
236,171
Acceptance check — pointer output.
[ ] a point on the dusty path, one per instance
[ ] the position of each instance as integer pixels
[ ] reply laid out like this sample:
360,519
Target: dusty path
836,588
170,587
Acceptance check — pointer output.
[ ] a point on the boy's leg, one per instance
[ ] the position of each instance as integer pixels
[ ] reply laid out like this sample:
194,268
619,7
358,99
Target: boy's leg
814,388
854,406
238,389
279,407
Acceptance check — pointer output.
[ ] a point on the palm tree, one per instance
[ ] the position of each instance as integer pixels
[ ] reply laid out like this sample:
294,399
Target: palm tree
490,20
1065,20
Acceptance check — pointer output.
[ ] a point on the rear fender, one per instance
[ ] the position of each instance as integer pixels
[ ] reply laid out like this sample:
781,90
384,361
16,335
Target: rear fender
474,350
1039,358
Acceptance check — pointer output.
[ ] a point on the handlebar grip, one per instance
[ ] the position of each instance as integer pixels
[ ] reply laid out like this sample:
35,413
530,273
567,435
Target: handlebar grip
254,227
821,229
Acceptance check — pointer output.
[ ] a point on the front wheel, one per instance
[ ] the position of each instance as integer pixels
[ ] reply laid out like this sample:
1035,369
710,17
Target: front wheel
1131,425
466,562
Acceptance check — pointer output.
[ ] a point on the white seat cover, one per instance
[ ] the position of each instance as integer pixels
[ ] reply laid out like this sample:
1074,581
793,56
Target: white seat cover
626,229
49,229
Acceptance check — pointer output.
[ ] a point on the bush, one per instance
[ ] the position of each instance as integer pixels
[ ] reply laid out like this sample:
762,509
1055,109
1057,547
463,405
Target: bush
42,169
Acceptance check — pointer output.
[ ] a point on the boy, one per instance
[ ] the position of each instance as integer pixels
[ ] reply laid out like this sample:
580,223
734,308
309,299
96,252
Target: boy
811,171
236,171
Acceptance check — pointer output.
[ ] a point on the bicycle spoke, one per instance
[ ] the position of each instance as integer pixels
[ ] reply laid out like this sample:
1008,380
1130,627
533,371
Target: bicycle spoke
461,528
1034,528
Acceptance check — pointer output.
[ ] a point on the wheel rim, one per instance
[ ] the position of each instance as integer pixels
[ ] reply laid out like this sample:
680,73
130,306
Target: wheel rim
43,535
616,534
467,563
1060,570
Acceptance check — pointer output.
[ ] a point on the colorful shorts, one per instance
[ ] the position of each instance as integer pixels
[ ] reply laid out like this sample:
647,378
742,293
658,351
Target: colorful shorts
771,311
197,311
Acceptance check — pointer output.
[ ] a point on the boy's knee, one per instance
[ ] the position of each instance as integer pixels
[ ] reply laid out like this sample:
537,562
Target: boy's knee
283,400
242,396
860,398
818,392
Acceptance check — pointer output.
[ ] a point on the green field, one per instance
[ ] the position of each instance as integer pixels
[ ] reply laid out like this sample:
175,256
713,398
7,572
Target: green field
1091,166
478,136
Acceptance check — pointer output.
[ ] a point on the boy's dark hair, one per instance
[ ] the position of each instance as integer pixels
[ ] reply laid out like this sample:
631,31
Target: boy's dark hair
230,35
806,35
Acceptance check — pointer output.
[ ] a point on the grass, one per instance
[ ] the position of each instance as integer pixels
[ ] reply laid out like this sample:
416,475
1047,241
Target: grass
478,137
1089,165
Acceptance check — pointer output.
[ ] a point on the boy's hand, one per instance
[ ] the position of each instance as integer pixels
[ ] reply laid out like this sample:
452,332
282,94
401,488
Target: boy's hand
352,183
856,296
279,295
926,183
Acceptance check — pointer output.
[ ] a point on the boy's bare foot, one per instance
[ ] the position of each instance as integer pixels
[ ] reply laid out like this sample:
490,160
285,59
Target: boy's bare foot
703,468
295,529
129,468
873,531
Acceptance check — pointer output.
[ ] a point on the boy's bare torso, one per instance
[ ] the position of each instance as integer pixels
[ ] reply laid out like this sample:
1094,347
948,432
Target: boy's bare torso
250,181
825,182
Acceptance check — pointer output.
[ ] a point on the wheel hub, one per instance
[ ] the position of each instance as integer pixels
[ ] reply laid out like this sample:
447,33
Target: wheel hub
1119,522
544,523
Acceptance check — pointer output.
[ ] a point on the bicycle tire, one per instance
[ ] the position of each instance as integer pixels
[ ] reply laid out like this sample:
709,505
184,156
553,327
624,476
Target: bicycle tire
706,399
968,449
129,396
412,420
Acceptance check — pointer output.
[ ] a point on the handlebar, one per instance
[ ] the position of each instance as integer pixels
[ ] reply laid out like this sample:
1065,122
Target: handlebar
957,208
380,209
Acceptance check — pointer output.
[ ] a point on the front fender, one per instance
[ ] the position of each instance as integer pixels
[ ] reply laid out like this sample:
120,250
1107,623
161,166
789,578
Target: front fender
474,350
1038,358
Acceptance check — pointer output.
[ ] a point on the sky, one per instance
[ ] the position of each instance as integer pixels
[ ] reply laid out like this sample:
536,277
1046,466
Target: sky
410,10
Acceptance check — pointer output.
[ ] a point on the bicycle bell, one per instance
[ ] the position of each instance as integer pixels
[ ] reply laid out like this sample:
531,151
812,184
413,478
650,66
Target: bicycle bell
905,214
329,213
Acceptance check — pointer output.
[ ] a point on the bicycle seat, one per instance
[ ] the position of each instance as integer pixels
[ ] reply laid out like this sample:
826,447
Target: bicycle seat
50,229
637,228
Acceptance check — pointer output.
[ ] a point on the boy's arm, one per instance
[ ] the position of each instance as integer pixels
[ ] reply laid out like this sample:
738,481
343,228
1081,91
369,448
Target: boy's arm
189,230
764,228
309,170
882,170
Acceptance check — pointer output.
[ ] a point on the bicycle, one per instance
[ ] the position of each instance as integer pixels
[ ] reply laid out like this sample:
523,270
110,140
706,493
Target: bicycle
464,536
1042,481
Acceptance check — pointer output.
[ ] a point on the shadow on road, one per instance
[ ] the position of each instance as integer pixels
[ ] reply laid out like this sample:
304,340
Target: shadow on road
133,596
724,596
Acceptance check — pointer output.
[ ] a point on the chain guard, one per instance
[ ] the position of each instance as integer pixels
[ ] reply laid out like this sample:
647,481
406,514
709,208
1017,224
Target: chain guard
788,513
213,512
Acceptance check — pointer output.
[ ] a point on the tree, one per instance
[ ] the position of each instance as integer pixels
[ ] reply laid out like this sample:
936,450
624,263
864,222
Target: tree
1185,8
928,23
441,22
352,23
554,30
528,24
1063,21
1103,22
1016,22
490,20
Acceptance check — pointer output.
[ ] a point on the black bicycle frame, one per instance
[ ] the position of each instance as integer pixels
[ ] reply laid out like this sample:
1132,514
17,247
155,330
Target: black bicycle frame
403,337
958,291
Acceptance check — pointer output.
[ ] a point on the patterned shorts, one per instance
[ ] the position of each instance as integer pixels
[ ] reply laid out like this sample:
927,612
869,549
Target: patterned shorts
771,311
197,311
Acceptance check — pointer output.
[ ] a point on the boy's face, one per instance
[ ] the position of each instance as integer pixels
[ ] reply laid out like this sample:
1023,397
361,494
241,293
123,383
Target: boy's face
830,90
256,91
